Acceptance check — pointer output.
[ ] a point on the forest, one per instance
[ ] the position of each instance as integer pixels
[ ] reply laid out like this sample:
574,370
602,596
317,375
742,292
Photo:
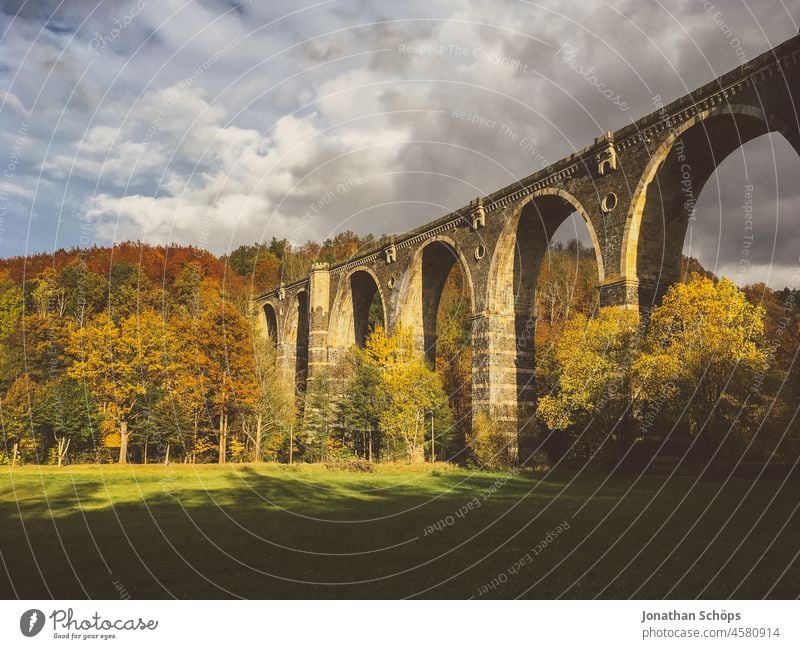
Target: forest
147,354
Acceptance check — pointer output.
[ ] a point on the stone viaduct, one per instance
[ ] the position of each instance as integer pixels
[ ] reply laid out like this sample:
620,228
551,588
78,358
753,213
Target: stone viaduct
635,188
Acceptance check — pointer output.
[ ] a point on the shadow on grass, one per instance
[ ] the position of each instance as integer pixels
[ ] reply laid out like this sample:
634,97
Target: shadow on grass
264,533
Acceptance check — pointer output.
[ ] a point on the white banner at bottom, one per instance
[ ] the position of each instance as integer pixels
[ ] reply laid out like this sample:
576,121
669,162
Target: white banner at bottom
400,625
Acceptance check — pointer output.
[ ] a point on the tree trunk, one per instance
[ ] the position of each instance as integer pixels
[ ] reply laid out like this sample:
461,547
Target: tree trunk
414,452
258,439
63,447
145,450
14,452
194,439
123,442
433,440
166,459
223,432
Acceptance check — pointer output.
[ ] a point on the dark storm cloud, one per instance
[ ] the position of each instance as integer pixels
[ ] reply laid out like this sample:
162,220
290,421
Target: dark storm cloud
223,122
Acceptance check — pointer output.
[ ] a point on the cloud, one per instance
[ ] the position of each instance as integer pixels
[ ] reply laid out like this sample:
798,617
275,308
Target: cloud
220,123
12,101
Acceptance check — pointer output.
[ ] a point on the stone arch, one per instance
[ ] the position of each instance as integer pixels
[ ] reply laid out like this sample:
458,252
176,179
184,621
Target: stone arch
521,248
421,289
663,202
270,314
350,312
553,206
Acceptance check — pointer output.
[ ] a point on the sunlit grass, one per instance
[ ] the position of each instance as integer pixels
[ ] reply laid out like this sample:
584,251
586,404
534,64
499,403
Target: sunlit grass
309,531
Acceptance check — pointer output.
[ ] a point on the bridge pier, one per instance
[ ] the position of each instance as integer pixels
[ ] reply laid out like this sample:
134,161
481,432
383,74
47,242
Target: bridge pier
285,361
319,289
494,375
632,293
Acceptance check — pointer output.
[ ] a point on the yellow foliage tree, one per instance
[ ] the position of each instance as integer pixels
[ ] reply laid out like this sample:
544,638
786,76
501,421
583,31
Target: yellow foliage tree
414,391
489,443
705,358
16,419
219,350
592,362
119,363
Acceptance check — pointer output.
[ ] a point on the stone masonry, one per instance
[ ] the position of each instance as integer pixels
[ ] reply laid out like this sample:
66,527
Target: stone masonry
635,188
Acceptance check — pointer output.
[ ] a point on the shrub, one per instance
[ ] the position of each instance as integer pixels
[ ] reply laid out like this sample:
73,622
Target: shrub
355,464
489,444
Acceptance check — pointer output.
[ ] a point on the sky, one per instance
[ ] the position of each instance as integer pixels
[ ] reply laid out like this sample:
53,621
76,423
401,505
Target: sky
217,123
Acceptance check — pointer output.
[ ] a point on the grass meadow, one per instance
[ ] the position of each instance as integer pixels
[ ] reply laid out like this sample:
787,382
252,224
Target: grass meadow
274,531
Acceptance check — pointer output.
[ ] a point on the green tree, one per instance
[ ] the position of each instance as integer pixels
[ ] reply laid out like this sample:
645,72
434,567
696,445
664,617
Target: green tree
67,411
363,403
319,417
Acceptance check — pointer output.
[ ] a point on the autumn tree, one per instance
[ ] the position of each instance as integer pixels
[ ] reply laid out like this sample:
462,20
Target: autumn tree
128,289
84,291
218,348
16,418
566,283
258,265
11,309
342,246
454,362
186,288
274,402
489,443
120,363
705,360
591,391
11,305
45,338
43,327
415,392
